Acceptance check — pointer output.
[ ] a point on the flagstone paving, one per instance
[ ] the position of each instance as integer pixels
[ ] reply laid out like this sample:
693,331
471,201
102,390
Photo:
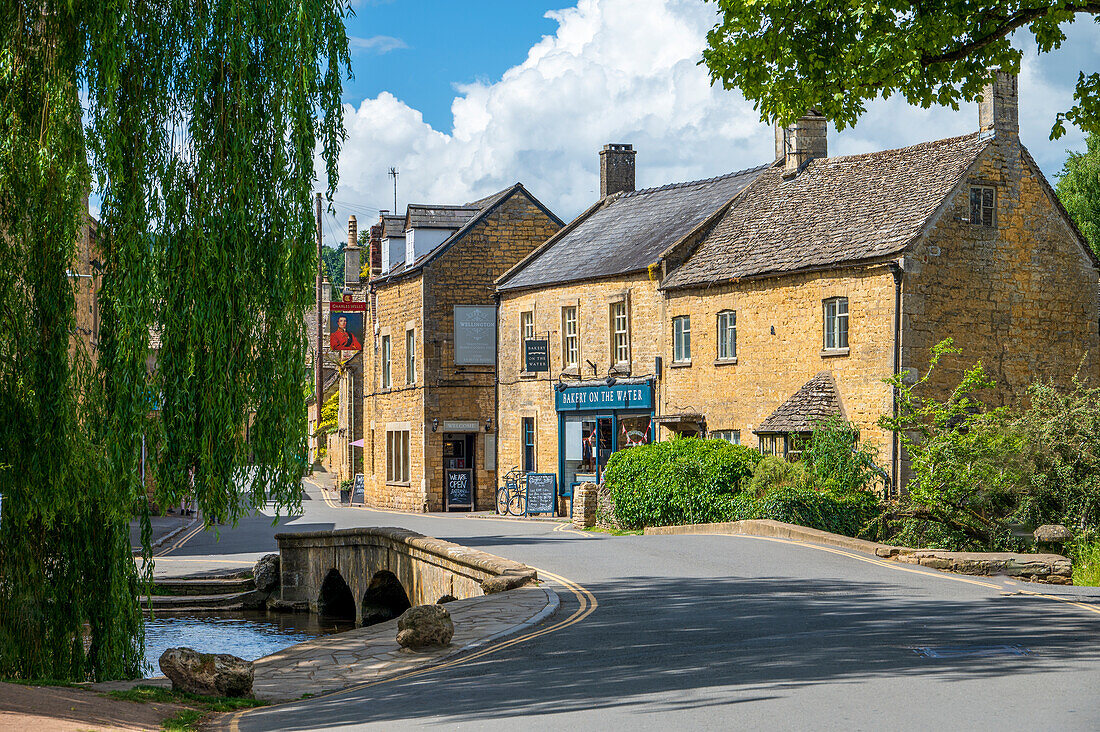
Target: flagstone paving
358,656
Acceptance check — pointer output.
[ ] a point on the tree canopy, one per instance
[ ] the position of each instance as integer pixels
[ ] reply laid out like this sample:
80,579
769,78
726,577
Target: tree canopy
198,123
833,57
1079,190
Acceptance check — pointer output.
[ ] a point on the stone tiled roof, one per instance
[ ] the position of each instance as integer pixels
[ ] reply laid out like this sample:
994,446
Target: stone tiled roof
420,216
838,210
626,232
393,225
817,400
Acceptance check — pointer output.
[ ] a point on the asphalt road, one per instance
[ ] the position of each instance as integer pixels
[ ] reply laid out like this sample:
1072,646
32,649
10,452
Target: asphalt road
716,632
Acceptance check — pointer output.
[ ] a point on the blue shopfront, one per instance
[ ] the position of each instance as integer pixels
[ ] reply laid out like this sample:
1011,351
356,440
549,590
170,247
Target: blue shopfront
596,418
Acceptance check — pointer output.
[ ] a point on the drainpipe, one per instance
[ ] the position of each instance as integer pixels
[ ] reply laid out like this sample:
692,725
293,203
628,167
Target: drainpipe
895,458
496,392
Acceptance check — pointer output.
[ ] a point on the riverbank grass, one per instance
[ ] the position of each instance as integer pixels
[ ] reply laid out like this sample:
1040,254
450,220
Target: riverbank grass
197,707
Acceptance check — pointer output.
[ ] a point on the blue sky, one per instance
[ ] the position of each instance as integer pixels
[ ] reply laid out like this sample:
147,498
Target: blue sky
468,98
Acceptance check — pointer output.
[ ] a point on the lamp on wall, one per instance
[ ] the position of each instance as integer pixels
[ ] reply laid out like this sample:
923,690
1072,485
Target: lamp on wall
488,424
435,423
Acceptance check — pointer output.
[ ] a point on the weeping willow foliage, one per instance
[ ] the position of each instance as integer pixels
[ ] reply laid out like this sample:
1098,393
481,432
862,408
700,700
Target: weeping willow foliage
198,122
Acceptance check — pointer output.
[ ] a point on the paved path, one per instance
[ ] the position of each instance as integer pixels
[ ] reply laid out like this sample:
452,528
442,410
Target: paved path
714,632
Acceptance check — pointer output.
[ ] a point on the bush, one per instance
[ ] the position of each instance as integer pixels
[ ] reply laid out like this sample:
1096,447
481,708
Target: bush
1086,562
850,515
685,480
774,472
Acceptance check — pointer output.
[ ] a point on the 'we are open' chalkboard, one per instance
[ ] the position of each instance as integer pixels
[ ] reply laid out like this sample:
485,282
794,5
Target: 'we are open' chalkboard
542,493
460,493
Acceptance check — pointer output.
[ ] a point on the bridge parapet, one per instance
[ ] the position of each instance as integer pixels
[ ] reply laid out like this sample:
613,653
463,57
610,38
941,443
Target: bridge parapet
426,568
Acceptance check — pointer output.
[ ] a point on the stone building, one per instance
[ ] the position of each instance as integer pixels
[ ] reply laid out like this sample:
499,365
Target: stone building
429,398
821,277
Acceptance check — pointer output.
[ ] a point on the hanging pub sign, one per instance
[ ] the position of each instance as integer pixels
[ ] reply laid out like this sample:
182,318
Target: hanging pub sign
536,356
475,335
345,325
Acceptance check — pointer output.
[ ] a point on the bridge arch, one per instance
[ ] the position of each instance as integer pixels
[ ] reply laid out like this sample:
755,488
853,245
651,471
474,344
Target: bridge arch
385,598
335,599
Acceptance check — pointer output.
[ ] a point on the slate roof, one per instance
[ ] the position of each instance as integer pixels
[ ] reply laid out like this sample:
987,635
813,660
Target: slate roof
838,210
626,232
393,225
420,216
817,400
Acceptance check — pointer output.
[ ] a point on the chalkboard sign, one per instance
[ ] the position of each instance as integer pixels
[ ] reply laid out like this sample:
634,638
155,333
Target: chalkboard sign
536,356
460,484
542,493
358,494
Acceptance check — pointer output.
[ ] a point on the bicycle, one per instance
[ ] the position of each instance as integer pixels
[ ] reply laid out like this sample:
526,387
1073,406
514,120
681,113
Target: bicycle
512,496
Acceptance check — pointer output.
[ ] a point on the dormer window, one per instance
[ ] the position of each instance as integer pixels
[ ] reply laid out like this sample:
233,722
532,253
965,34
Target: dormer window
982,199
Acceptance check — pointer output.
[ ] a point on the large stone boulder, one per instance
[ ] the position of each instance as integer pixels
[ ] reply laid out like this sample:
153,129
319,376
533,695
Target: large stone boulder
1052,534
266,573
208,674
425,626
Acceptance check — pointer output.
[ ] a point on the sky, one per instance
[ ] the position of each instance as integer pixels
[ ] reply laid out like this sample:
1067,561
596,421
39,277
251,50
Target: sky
465,99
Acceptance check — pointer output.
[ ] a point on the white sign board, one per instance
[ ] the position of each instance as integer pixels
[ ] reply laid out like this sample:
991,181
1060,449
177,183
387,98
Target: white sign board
475,335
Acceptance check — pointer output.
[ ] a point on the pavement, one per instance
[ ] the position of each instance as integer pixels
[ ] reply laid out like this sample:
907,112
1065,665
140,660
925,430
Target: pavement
713,632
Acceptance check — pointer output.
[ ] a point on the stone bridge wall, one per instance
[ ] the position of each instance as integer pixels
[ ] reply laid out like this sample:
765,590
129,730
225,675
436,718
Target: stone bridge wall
427,568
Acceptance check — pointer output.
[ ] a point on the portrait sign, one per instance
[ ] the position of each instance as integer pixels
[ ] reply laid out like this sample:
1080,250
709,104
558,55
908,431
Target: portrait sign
475,335
345,325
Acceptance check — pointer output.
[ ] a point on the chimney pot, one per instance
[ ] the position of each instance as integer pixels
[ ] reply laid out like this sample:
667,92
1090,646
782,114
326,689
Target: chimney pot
801,142
351,253
999,107
616,169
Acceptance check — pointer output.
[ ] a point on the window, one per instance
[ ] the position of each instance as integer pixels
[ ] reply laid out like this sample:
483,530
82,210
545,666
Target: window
620,334
527,326
836,323
775,445
727,335
528,444
570,348
410,357
681,338
981,205
397,456
387,381
731,436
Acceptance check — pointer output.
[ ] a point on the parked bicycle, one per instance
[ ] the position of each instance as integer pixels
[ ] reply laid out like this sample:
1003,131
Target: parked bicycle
512,496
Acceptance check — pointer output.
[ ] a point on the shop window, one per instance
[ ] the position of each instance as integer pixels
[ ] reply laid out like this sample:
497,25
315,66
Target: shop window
570,346
836,323
634,431
397,456
620,334
982,199
681,338
727,335
387,379
410,357
731,436
775,445
528,444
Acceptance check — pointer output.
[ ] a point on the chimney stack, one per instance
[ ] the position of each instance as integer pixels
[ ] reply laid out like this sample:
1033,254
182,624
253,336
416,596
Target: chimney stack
801,142
376,232
616,169
999,107
351,253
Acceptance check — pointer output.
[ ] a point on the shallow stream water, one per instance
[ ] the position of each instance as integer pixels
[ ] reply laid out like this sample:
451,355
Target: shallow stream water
247,635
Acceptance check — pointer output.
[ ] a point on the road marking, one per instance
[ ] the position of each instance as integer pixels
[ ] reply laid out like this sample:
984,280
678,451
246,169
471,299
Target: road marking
183,540
586,605
568,529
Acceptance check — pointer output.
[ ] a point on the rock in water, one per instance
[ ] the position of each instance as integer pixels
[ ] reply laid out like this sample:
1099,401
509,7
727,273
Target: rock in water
208,674
425,626
266,573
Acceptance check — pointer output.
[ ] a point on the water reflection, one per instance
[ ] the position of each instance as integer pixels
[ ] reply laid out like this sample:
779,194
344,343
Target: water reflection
247,635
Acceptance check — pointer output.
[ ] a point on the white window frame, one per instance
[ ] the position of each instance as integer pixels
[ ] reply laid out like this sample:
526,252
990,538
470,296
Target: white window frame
397,456
387,362
731,436
620,333
410,356
681,339
986,206
570,337
527,326
727,335
834,328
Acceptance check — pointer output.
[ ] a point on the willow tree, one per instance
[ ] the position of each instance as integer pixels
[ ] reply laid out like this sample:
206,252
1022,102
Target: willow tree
198,122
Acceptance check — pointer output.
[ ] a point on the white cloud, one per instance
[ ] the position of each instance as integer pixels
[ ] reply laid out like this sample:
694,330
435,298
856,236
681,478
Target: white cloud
376,44
627,71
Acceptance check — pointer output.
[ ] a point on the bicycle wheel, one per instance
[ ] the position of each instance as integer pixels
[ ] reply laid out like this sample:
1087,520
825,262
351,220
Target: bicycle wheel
517,504
502,501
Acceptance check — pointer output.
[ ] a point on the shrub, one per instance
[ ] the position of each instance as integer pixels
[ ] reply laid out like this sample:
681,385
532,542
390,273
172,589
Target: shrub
838,462
685,480
774,472
1086,561
849,515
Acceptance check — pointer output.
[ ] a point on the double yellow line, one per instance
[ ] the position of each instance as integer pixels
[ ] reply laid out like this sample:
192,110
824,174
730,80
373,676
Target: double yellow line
586,605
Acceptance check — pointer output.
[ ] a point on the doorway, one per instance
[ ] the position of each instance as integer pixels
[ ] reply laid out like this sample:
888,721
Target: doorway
459,455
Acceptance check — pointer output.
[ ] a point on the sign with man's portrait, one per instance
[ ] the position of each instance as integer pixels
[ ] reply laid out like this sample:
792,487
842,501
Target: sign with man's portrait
345,325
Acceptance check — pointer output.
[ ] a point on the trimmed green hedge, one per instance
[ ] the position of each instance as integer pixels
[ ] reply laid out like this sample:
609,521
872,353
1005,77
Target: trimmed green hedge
681,481
808,507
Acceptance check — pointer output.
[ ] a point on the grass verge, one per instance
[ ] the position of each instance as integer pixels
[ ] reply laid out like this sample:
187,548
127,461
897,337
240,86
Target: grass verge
197,706
1086,565
614,532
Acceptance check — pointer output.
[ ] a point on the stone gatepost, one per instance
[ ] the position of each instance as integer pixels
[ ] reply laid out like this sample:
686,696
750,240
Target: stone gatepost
584,505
